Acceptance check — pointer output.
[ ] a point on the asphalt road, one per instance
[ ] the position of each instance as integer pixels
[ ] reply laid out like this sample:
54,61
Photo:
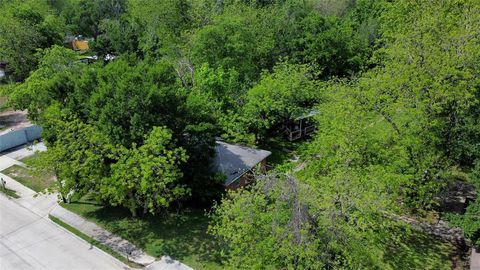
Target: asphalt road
28,241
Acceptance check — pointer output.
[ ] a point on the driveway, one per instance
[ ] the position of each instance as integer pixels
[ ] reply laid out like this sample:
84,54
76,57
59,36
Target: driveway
29,241
25,151
6,162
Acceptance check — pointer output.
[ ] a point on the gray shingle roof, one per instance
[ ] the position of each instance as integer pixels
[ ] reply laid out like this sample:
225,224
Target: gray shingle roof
235,160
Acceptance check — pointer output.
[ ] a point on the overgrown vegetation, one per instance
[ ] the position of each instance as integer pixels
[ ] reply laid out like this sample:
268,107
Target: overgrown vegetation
395,85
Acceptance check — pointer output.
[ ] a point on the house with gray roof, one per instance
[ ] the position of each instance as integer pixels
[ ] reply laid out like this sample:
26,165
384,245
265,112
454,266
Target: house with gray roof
237,161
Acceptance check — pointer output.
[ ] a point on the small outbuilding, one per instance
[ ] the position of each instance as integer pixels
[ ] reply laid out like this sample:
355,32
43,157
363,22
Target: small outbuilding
77,43
236,162
300,127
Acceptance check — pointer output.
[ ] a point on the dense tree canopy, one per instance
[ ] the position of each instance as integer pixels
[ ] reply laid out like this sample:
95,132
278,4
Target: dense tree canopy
394,86
286,93
146,177
26,26
281,223
391,135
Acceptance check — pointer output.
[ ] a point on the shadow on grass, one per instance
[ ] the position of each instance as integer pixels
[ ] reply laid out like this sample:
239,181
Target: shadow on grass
417,250
282,149
88,203
182,236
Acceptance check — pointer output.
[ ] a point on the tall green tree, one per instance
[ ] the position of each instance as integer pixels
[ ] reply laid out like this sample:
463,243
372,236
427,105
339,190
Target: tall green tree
50,83
26,26
117,36
286,93
163,24
285,223
239,39
130,99
77,157
84,17
433,63
146,177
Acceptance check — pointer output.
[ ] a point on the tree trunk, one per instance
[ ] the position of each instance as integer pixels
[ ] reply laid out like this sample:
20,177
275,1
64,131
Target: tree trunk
131,204
134,212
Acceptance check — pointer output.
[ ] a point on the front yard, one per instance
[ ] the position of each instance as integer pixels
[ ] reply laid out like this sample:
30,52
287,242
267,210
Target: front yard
181,236
25,176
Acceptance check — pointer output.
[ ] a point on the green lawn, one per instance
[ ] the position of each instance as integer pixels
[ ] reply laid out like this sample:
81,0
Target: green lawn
181,236
3,101
37,182
30,160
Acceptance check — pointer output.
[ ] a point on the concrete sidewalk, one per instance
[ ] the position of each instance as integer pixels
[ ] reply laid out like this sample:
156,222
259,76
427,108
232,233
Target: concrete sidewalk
475,260
6,162
167,263
40,204
47,204
31,242
123,247
26,151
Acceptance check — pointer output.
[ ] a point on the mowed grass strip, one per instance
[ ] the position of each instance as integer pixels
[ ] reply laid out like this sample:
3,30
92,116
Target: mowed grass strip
9,192
182,236
94,242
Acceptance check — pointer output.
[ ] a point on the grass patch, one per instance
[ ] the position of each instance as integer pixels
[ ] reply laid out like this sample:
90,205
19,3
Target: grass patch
418,250
9,192
31,160
182,236
3,102
94,242
282,150
37,182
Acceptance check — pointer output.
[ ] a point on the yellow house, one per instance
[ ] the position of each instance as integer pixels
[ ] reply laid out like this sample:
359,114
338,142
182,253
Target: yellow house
77,43
80,45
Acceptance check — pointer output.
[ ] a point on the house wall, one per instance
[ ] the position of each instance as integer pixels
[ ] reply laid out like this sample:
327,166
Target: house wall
247,178
81,45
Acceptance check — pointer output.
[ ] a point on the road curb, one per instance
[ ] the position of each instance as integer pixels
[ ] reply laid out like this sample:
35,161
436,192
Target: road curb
119,245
